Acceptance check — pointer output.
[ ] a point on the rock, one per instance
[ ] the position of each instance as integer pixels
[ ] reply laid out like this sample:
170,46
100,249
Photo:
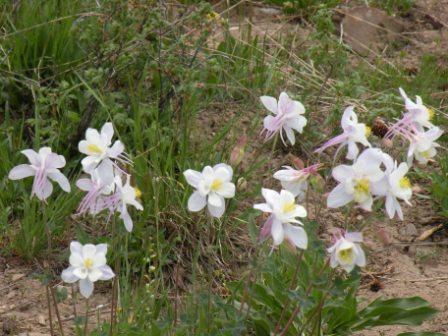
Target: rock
369,30
408,231
41,320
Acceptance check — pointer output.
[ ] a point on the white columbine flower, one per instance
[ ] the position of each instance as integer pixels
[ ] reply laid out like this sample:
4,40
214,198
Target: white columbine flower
353,134
97,147
44,167
88,265
347,252
126,195
294,180
212,186
423,146
355,181
394,185
284,211
287,117
420,115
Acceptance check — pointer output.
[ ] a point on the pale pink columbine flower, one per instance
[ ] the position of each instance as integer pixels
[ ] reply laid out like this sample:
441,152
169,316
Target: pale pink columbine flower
283,212
126,195
87,265
353,133
98,148
418,113
347,251
296,181
395,185
44,167
287,116
422,145
99,185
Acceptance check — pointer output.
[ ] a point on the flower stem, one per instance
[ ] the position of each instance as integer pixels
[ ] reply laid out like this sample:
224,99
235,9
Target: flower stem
56,308
48,284
86,318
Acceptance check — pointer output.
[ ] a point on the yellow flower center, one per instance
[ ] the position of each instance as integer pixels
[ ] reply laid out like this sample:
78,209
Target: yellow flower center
288,207
426,154
405,183
94,149
368,131
216,185
430,114
346,255
88,263
138,192
362,188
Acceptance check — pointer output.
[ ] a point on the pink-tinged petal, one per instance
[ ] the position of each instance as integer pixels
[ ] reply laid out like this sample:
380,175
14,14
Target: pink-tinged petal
68,276
21,171
354,237
271,123
116,149
107,132
277,232
216,211
263,207
60,179
127,220
43,191
86,287
266,228
285,104
296,235
298,123
338,197
290,134
193,177
333,141
54,160
398,209
196,202
298,107
107,273
89,163
270,103
85,184
76,247
32,156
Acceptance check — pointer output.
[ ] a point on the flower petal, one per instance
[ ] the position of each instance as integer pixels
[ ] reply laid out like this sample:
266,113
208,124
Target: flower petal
338,197
107,132
21,171
68,276
215,200
107,273
86,287
296,235
216,211
263,207
76,247
32,156
60,179
193,177
270,103
88,251
290,134
227,190
127,220
196,202
277,232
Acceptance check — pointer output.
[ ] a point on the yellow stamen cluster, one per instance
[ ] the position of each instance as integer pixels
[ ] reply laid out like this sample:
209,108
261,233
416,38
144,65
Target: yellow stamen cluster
368,131
94,149
138,192
431,114
88,263
362,186
346,255
405,183
426,154
288,207
216,185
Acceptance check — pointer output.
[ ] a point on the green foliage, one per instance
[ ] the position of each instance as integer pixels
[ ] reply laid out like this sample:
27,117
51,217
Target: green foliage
393,6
